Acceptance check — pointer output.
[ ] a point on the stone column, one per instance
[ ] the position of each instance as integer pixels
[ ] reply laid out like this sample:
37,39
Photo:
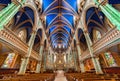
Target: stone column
95,62
9,12
81,62
38,67
40,59
66,62
75,59
72,59
51,58
69,59
110,12
53,61
98,63
45,59
25,61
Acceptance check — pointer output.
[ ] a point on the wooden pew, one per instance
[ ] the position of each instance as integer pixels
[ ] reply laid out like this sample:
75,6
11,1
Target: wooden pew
99,79
9,70
112,70
30,77
91,77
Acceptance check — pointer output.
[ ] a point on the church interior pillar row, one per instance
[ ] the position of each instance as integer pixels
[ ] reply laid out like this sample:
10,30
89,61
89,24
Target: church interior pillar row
79,56
25,61
38,68
95,62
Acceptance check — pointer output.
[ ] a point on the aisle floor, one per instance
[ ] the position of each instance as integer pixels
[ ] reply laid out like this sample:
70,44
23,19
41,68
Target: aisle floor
60,76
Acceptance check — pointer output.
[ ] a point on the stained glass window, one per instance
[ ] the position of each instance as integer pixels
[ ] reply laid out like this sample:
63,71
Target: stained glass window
9,60
110,59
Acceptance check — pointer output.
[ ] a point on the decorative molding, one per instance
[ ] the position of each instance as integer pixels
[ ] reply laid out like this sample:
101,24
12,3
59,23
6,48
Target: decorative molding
108,40
9,38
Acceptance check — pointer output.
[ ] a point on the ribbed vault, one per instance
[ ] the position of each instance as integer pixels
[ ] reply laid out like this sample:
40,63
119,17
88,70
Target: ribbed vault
59,17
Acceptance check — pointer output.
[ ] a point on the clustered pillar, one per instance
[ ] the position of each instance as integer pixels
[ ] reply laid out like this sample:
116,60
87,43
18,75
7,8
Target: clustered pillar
25,61
40,59
95,62
45,58
75,58
80,59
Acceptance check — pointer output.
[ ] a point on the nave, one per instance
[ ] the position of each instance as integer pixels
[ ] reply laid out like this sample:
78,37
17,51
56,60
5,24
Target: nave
54,40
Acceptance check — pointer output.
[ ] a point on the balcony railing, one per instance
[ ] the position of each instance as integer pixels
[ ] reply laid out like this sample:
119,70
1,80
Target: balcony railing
14,42
109,39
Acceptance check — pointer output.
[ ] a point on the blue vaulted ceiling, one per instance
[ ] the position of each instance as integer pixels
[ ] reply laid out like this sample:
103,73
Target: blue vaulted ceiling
114,1
59,20
5,1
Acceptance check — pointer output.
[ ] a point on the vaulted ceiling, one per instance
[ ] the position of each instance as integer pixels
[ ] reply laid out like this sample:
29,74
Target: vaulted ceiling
59,17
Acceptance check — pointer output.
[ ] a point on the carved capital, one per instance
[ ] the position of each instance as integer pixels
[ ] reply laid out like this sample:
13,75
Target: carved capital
85,31
34,31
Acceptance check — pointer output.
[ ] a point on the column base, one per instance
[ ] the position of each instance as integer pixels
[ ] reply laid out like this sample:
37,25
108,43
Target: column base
99,73
21,74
